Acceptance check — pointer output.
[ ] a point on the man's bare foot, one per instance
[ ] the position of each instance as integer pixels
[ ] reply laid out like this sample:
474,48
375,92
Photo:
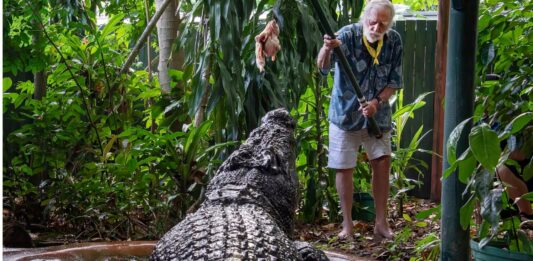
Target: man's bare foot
382,232
344,235
347,231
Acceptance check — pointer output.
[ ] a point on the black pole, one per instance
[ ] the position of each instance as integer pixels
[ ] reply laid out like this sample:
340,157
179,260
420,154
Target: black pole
460,86
372,124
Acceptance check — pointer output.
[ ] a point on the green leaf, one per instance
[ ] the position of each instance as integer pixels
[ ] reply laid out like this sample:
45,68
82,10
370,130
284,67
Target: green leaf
450,170
466,156
491,205
528,196
409,108
467,165
109,145
131,165
483,22
483,182
26,169
149,94
483,230
111,25
193,141
485,146
526,242
516,125
177,75
147,160
426,213
407,217
466,212
527,173
451,145
20,99
421,224
126,133
6,83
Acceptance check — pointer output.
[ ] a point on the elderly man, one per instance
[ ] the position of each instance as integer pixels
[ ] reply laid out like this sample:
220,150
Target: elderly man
374,52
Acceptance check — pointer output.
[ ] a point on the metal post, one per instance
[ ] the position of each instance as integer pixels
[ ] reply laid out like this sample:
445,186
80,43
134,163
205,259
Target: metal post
460,80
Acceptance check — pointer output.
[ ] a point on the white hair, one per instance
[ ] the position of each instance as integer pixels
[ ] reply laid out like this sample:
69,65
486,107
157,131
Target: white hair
379,4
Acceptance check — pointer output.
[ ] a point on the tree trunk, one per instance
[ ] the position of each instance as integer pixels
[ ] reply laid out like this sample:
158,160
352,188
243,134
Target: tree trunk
39,81
167,31
39,78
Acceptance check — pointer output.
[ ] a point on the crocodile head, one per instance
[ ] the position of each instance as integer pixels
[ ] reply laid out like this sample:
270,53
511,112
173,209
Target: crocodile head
262,171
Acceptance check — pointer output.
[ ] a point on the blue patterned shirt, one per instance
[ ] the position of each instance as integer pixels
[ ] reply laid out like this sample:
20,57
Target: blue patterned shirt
344,107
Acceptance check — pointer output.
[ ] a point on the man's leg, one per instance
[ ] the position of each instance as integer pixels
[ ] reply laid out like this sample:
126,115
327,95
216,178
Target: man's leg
344,183
380,190
343,146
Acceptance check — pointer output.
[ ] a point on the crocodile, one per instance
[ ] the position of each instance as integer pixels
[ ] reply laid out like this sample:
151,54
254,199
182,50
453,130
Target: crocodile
250,204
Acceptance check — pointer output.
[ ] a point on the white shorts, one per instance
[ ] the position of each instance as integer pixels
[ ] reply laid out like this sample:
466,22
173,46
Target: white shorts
344,145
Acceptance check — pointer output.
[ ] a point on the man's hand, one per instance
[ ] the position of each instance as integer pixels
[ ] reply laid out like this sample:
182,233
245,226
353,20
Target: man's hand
323,60
330,44
370,109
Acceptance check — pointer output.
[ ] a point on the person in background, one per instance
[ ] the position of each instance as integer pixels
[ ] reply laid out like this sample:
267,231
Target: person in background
374,52
515,177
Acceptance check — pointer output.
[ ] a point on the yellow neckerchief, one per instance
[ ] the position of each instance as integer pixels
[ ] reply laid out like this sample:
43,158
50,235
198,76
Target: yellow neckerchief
373,52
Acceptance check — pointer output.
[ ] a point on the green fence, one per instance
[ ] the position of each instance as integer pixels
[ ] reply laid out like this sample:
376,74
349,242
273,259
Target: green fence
419,36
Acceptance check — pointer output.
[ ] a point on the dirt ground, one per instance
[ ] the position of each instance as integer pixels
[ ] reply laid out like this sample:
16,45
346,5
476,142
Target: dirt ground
420,220
407,228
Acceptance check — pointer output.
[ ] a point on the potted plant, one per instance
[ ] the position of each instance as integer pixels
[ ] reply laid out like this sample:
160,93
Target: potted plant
503,108
497,238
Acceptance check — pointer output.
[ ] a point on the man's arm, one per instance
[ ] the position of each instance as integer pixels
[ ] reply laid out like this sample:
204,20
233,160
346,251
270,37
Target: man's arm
374,104
323,61
384,96
324,56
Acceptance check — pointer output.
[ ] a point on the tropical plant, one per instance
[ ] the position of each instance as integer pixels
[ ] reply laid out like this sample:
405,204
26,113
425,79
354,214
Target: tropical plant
225,83
477,167
143,181
311,161
503,110
82,152
428,248
402,157
504,62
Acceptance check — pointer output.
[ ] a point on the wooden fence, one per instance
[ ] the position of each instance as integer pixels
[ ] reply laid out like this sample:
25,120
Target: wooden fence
419,40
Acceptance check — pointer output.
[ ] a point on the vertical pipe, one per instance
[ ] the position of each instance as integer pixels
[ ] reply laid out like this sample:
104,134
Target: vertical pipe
459,106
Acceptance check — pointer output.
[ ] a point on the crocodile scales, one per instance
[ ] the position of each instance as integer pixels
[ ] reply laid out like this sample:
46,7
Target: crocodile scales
250,204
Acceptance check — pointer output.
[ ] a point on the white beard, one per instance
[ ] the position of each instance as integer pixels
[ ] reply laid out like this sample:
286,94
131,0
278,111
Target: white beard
372,37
